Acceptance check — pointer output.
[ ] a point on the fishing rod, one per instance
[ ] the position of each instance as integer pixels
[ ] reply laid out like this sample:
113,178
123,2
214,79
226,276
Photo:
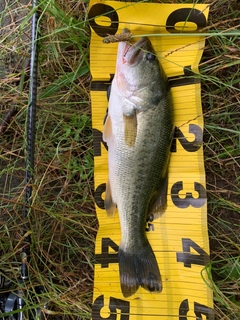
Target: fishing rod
15,303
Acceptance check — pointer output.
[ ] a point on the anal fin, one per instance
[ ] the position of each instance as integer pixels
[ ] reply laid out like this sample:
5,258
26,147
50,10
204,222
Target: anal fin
110,206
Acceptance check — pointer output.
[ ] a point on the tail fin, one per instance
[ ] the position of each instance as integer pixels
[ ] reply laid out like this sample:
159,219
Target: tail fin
139,269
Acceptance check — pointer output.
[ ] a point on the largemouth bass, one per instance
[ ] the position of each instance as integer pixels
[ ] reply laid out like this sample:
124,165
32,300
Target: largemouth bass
138,131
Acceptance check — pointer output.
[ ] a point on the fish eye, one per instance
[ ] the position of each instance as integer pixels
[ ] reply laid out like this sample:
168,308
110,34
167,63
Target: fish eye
151,57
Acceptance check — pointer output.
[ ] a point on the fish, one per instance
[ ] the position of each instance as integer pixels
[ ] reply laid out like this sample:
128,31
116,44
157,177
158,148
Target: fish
138,131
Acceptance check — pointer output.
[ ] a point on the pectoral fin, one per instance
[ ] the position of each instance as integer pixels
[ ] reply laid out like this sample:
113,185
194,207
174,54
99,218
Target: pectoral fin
107,129
110,206
130,129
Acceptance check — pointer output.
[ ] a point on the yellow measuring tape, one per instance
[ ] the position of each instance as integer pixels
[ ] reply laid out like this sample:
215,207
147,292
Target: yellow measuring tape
179,238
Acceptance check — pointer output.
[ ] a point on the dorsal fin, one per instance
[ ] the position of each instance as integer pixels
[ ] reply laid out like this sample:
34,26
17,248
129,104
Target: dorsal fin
159,204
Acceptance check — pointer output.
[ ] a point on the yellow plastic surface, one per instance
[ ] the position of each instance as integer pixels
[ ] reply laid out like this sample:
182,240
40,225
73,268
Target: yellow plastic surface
179,238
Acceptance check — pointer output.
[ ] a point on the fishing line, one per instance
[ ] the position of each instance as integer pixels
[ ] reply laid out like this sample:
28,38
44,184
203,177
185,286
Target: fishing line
195,31
145,24
200,29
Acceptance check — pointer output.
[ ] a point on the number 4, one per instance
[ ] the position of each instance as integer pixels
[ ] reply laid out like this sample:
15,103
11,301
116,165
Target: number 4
106,257
189,258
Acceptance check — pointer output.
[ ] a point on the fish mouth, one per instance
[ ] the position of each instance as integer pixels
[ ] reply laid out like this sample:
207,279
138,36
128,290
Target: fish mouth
132,54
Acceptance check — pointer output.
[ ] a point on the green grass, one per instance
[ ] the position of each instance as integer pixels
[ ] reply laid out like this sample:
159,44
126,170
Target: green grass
222,158
63,224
